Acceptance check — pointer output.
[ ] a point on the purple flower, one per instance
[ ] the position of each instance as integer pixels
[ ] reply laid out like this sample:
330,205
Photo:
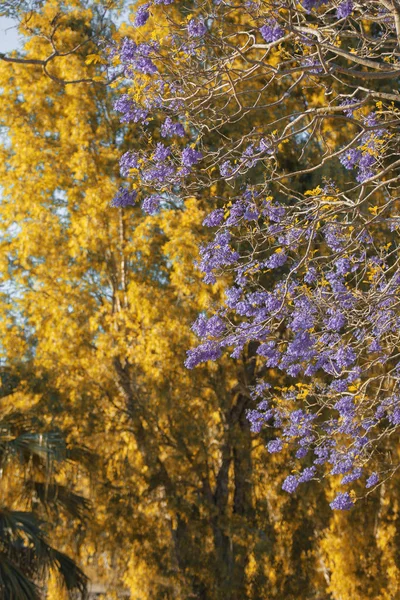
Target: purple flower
169,128
217,254
215,218
342,266
276,260
308,474
129,160
350,158
345,406
336,321
136,56
355,474
311,61
128,50
372,480
259,417
274,212
269,351
131,112
226,169
124,198
271,31
151,204
345,357
142,15
210,350
347,106
394,418
375,346
310,4
196,28
214,326
345,9
161,153
232,296
342,502
366,162
334,237
190,156
159,174
275,446
311,275
290,484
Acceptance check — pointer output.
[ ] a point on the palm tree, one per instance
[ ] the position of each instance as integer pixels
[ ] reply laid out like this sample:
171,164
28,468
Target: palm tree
26,557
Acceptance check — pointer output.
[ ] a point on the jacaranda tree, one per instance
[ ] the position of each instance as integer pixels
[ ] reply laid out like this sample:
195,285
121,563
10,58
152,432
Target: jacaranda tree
304,221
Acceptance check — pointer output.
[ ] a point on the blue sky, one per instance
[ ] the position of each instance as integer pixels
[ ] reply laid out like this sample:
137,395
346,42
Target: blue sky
8,35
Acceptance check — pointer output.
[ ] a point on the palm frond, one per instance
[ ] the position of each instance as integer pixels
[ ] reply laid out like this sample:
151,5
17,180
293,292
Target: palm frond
53,496
73,577
81,455
14,583
23,544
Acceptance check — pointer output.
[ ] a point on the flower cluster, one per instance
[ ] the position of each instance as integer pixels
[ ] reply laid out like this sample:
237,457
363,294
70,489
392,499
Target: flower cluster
314,274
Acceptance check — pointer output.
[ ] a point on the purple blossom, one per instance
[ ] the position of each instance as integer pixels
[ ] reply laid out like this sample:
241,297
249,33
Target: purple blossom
276,260
259,417
232,296
375,346
124,198
342,266
345,9
131,112
394,417
311,275
308,474
372,480
136,56
269,352
335,238
161,153
312,61
151,204
196,28
271,31
308,5
129,160
142,15
274,446
159,174
214,326
128,50
342,501
350,158
210,350
347,106
215,218
190,156
275,212
353,476
345,406
342,465
217,254
290,484
345,357
226,169
169,128
336,321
